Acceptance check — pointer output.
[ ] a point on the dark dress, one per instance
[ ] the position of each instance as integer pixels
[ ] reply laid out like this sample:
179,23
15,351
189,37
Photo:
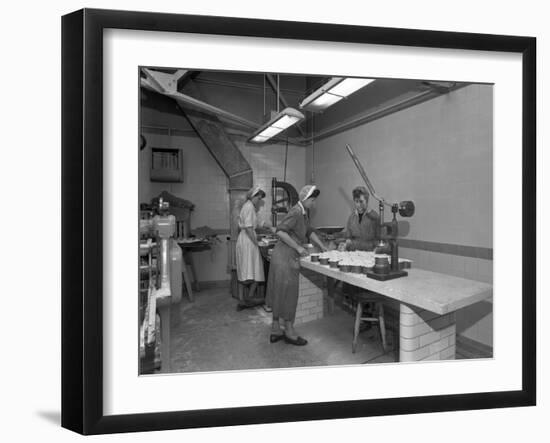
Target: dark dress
363,231
284,270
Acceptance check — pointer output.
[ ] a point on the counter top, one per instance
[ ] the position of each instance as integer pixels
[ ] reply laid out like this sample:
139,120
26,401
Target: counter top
439,293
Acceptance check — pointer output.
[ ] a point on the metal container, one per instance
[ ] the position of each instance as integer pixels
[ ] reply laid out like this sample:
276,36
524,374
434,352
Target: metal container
381,265
314,258
357,269
333,263
323,260
344,268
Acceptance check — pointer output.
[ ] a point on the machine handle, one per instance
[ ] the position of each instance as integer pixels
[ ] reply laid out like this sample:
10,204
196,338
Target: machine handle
364,176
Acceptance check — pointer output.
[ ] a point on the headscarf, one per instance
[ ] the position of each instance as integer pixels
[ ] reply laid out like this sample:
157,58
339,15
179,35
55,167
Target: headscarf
306,192
253,191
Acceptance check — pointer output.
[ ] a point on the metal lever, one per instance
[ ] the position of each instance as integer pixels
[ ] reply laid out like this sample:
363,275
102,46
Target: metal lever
364,176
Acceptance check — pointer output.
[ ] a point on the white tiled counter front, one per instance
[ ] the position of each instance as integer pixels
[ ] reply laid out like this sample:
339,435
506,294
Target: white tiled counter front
425,335
427,305
312,290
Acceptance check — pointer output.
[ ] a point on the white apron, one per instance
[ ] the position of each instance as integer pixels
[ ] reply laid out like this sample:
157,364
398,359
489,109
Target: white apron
249,259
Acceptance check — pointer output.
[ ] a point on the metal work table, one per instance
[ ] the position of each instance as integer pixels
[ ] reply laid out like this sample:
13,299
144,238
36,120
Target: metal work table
427,304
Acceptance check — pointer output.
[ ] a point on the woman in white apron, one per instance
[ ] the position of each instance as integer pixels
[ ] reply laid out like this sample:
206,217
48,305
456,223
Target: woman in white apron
250,269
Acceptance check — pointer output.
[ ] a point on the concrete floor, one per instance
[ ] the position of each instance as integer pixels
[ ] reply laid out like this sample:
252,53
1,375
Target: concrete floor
210,335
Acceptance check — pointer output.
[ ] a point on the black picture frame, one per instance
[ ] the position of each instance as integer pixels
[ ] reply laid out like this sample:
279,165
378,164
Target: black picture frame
82,218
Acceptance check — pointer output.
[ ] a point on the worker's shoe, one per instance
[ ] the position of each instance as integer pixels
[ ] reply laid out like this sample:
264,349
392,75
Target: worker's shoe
249,303
298,341
274,338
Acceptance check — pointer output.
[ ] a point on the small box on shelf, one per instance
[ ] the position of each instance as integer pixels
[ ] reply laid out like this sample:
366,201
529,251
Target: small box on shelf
166,165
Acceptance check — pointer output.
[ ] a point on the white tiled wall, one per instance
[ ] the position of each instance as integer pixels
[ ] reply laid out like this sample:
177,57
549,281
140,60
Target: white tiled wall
205,184
268,161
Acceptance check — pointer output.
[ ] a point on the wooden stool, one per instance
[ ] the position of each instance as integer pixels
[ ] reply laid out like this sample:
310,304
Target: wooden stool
187,280
362,299
188,256
243,291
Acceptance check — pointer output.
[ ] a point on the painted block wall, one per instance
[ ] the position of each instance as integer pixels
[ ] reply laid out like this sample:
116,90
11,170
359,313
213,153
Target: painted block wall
438,154
475,321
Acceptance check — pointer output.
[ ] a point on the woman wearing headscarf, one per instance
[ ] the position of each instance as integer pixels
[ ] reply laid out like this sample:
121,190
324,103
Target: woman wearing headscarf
250,269
282,286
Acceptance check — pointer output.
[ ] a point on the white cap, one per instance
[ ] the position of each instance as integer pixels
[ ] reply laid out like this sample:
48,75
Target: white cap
253,191
306,192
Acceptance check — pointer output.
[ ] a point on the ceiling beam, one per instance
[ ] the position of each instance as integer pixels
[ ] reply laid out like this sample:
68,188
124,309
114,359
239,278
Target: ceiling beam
163,83
161,80
389,107
180,73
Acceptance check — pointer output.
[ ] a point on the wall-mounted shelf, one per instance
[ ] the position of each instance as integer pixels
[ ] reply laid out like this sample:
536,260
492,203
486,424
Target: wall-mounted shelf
166,165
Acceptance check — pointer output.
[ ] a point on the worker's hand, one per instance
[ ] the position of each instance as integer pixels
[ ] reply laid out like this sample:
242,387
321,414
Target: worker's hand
302,251
323,248
342,246
346,246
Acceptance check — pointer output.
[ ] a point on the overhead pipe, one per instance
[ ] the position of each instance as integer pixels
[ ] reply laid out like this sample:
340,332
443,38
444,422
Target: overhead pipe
273,84
190,101
282,99
242,85
155,86
192,133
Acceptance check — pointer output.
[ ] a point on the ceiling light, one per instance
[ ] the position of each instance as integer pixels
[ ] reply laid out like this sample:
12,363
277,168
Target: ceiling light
332,92
283,120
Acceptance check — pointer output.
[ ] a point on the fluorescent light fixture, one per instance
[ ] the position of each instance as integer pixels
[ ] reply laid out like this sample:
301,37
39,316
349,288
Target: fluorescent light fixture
332,92
283,120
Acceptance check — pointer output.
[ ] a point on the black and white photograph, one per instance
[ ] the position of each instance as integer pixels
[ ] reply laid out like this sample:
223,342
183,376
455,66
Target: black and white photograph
297,221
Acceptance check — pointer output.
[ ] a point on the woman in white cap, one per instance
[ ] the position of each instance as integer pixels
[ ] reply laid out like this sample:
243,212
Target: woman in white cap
250,268
282,286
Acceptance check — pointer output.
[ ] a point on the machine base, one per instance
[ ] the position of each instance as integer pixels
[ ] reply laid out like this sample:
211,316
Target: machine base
389,276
